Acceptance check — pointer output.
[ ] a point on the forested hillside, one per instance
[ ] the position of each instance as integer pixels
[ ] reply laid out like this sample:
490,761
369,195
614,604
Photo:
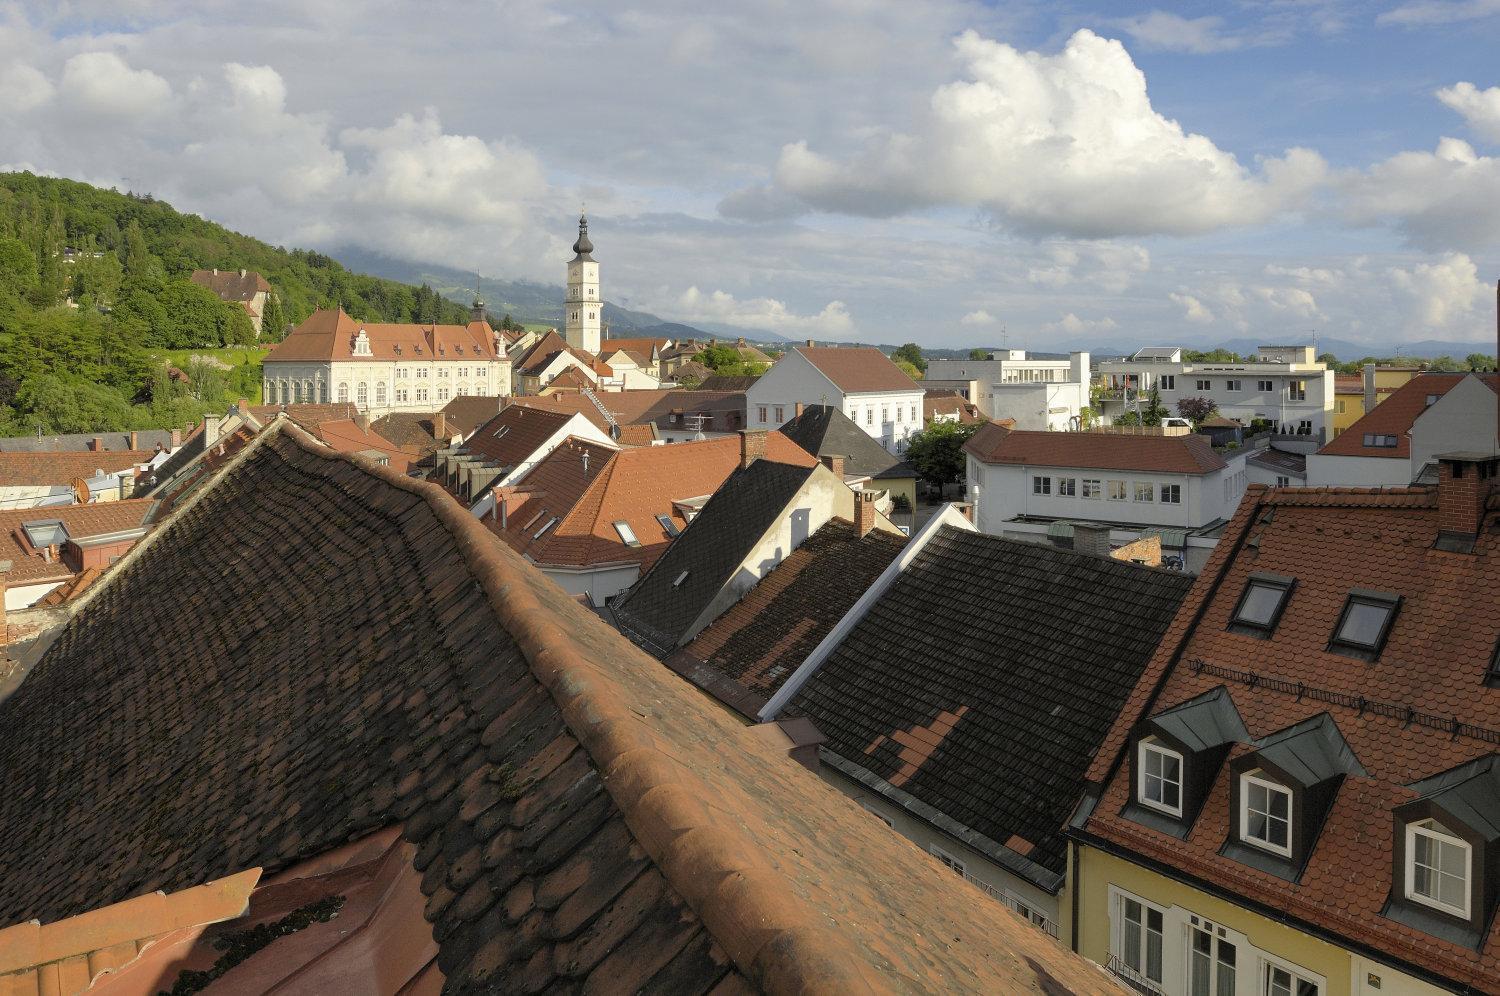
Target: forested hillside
94,292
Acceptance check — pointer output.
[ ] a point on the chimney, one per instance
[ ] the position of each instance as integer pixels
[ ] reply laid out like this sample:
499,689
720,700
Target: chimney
1091,538
1464,482
216,271
176,438
440,426
134,440
1369,387
210,431
835,463
243,407
362,419
810,344
752,446
242,273
864,512
96,444
799,408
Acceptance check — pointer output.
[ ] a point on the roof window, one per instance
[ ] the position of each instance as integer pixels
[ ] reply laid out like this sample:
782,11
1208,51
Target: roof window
668,526
1364,624
1261,604
45,532
543,531
1265,813
501,431
1380,440
1160,770
627,535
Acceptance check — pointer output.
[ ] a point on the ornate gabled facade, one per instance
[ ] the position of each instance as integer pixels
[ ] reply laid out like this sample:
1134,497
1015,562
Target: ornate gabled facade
383,368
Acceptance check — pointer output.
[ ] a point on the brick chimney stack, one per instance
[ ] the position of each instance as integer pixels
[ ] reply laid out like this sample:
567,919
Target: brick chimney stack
96,444
800,408
752,446
134,440
440,426
835,463
1091,538
1464,482
810,344
176,438
864,512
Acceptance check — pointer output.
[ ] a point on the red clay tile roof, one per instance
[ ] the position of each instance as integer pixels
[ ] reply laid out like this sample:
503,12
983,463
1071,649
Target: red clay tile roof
34,469
1394,417
951,403
1191,454
348,436
409,431
515,434
858,369
1348,384
632,485
329,335
308,415
745,655
1433,663
176,483
571,379
232,285
468,412
638,434
389,665
725,409
634,345
28,563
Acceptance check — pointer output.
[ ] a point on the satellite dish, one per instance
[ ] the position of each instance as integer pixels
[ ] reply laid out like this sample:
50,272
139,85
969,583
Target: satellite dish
80,490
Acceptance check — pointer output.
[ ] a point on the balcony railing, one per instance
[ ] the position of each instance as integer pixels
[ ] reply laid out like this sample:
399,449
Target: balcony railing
1132,978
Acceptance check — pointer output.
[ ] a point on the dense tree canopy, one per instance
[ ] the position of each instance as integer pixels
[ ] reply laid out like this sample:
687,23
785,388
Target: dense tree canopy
936,452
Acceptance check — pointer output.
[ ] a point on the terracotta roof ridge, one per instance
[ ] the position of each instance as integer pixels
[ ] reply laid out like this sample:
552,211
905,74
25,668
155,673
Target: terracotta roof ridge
768,932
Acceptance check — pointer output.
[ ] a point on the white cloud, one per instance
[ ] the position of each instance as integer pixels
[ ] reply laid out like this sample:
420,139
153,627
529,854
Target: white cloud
1439,297
1066,143
1167,32
23,87
1109,266
1193,310
980,317
766,313
1071,324
101,85
1480,108
1445,199
1426,12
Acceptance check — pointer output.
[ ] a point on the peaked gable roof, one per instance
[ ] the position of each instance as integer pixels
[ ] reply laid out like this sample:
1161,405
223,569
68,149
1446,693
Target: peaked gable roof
824,430
659,608
232,285
37,469
392,666
1188,454
859,369
468,412
976,684
1395,415
329,334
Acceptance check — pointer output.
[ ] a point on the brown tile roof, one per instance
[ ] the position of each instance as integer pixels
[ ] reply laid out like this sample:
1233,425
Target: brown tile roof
1394,417
28,564
858,369
515,434
745,655
175,484
468,412
571,379
307,415
633,485
639,434
1396,712
1348,384
635,345
348,436
725,409
329,335
1191,454
29,469
232,285
410,431
951,404
389,665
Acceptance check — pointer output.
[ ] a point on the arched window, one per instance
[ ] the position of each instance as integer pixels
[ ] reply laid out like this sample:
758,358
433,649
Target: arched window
343,393
307,391
268,390
362,395
322,391
286,392
297,391
380,393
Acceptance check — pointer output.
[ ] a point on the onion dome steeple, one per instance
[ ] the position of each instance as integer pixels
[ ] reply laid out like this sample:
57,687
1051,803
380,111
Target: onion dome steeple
583,246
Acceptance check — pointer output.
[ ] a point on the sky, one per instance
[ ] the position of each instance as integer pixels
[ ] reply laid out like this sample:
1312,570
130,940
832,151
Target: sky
1044,175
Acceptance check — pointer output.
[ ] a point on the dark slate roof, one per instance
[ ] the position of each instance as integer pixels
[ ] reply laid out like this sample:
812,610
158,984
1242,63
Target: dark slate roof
1471,792
748,653
983,680
824,430
660,607
389,664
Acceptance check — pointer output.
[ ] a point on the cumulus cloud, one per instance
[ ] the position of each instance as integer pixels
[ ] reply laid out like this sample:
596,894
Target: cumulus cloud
101,85
979,317
1445,199
1167,32
1066,143
1427,12
1071,324
1441,296
1193,310
1109,266
766,313
24,87
1480,108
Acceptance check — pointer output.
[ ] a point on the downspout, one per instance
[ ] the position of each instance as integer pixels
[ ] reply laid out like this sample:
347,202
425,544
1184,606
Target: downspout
1073,895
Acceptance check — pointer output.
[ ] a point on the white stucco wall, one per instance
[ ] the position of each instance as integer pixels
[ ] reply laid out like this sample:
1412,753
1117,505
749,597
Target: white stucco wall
427,383
1325,471
1462,420
791,379
27,595
598,585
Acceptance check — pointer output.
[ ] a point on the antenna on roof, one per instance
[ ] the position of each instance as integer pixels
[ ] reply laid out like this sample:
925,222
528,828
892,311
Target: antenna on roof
1004,338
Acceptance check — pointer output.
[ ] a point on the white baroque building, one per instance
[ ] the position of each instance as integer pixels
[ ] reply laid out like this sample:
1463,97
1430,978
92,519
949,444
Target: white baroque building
383,368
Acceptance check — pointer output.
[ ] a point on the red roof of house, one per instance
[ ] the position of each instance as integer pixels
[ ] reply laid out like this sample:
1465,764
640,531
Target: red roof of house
1396,713
858,369
329,334
37,469
515,434
232,285
30,565
952,404
632,485
571,379
348,436
1394,417
636,345
1189,454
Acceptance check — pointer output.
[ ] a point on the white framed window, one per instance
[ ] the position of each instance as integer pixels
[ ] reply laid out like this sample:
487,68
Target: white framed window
1265,386
1283,482
952,862
1138,940
400,395
761,412
780,415
1438,868
380,393
1117,491
1169,382
1213,959
1296,390
1145,491
1171,494
1282,980
1041,485
1067,487
362,394
1091,487
869,416
1234,385
885,415
343,394
1265,814
1160,777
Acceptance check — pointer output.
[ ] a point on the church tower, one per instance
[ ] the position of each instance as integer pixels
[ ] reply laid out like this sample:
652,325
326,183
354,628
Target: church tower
584,307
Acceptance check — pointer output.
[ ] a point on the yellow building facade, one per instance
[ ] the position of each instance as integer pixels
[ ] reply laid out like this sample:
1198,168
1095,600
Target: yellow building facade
1349,393
1163,936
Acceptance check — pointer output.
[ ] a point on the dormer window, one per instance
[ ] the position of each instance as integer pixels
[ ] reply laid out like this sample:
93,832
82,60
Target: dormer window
1261,604
1439,867
1265,814
1364,624
1160,778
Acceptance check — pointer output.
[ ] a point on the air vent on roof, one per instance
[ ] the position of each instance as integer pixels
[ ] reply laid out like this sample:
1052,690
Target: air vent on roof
680,578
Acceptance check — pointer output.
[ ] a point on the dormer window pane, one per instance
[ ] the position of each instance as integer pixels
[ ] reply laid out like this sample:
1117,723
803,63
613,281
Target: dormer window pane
1266,814
1365,622
1437,868
1161,778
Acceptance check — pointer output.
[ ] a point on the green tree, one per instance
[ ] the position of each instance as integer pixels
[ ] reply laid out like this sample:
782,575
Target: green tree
936,452
1479,362
911,353
909,368
17,268
979,354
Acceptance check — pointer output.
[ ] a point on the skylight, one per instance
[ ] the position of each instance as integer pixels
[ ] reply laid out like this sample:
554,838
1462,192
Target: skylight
668,526
501,431
680,578
627,535
45,532
1262,602
1365,623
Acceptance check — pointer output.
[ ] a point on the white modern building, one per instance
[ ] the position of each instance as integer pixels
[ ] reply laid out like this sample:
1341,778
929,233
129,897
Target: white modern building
1034,394
384,368
1284,385
861,380
1165,482
585,304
